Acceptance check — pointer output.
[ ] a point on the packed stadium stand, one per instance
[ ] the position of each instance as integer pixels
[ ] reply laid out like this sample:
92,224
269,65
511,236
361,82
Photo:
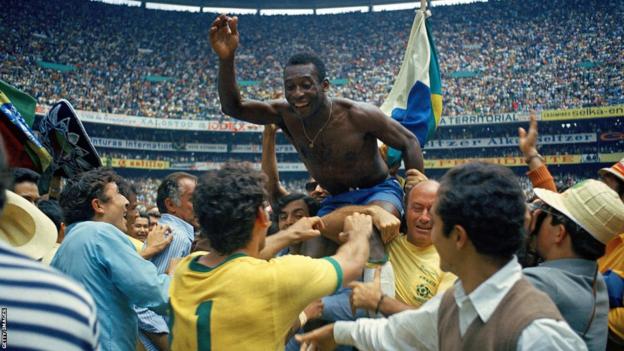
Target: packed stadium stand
155,69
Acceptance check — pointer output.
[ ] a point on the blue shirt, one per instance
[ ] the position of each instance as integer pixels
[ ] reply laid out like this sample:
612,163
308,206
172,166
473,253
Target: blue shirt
103,259
183,235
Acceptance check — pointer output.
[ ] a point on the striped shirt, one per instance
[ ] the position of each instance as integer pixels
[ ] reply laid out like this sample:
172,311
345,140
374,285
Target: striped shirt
42,309
183,235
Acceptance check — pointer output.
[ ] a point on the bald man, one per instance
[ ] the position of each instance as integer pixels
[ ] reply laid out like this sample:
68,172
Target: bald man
415,260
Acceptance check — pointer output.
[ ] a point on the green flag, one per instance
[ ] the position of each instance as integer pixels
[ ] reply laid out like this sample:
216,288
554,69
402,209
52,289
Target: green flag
24,103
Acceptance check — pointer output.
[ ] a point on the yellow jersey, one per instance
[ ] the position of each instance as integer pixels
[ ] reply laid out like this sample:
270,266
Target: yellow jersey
244,303
138,244
417,272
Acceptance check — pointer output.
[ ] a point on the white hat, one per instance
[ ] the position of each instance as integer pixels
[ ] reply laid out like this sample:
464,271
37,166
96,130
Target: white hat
592,205
25,227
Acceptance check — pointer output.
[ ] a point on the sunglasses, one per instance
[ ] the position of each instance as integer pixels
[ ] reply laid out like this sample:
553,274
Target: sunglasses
546,209
311,186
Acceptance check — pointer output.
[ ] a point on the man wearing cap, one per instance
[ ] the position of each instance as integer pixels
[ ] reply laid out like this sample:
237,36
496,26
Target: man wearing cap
612,263
98,254
478,225
570,232
41,309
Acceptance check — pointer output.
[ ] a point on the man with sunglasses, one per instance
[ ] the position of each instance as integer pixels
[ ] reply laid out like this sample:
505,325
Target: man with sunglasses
569,232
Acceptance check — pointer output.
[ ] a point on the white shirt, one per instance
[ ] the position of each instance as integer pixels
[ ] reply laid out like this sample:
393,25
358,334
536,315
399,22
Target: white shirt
418,329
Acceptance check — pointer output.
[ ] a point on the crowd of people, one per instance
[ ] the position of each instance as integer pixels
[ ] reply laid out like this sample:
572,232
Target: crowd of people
514,55
360,255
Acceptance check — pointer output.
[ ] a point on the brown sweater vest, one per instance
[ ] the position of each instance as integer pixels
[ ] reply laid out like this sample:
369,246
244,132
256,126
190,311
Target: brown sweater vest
522,305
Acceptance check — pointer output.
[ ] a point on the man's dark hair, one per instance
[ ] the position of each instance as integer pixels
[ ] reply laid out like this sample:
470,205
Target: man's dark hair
75,199
143,214
488,202
21,175
52,209
619,184
4,174
170,188
306,58
127,189
583,243
313,205
226,203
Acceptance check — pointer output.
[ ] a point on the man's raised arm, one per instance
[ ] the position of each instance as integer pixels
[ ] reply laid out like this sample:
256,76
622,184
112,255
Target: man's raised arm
224,38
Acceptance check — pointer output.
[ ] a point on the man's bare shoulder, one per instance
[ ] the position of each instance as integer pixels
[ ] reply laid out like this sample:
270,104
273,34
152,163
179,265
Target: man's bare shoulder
363,114
358,108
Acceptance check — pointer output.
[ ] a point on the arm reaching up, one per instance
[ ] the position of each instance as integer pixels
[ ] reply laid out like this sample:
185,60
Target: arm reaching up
269,164
224,39
538,172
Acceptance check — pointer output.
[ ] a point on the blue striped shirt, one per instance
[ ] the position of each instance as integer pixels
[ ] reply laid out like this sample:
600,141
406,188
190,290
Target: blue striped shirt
42,309
183,235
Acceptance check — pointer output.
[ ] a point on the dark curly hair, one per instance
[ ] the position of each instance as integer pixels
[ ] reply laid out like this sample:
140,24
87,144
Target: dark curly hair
75,199
226,202
306,58
313,205
488,202
21,175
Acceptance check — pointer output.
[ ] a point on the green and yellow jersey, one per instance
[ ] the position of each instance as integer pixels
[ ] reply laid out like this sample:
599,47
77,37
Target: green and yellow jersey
417,272
244,303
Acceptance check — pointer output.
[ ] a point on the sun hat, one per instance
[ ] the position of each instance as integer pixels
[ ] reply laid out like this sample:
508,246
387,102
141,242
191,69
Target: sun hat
24,227
592,205
617,170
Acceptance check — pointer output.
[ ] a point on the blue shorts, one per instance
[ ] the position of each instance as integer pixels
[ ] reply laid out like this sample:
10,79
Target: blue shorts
389,191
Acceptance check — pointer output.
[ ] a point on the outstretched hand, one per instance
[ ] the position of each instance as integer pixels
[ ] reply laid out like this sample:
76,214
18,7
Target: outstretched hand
306,228
366,295
224,36
158,238
318,339
527,141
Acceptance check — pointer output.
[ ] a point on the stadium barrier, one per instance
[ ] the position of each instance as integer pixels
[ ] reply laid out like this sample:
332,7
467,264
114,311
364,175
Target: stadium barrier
511,161
231,125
